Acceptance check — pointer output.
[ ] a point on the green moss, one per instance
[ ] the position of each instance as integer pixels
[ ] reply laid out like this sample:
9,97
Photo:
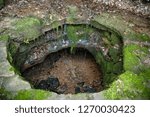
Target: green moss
12,68
55,24
115,39
71,33
12,48
112,22
110,69
114,54
32,95
100,58
117,23
3,94
133,55
9,57
72,10
138,36
1,3
130,86
118,67
109,66
75,33
28,28
108,79
11,51
4,37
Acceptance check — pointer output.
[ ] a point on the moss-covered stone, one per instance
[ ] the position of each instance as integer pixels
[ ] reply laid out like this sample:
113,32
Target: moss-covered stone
4,37
78,32
12,48
71,33
130,86
109,69
32,95
4,94
115,54
115,40
112,22
133,56
55,24
27,29
142,37
117,23
14,84
109,39
72,16
4,64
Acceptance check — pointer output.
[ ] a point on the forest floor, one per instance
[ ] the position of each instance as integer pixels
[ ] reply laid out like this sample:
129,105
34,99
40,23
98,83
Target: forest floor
133,12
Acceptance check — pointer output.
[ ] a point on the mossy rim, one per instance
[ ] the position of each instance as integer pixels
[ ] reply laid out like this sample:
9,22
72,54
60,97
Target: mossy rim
107,23
111,68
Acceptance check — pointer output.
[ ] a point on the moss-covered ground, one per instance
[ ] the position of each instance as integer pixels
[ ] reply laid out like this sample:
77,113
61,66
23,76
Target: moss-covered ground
32,95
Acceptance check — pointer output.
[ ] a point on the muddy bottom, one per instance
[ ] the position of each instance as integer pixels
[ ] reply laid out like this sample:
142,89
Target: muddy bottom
64,73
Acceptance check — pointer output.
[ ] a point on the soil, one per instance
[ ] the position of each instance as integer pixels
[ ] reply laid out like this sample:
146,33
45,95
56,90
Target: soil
132,10
76,73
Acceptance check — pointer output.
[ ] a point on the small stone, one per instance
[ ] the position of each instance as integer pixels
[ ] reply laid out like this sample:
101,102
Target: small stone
42,85
77,90
53,83
88,89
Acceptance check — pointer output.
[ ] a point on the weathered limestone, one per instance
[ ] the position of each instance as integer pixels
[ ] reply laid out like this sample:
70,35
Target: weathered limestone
14,84
5,67
80,96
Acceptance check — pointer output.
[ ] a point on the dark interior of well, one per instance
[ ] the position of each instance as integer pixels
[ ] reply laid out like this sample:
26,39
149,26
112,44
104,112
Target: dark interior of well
66,72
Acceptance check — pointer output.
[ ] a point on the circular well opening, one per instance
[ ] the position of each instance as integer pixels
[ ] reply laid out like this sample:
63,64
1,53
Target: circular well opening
70,59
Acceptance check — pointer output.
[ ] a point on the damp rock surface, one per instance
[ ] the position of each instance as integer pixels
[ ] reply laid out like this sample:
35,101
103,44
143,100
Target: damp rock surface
63,72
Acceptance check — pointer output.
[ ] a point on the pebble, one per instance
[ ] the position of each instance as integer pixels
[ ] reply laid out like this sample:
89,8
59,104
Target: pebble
77,90
53,83
42,85
88,89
